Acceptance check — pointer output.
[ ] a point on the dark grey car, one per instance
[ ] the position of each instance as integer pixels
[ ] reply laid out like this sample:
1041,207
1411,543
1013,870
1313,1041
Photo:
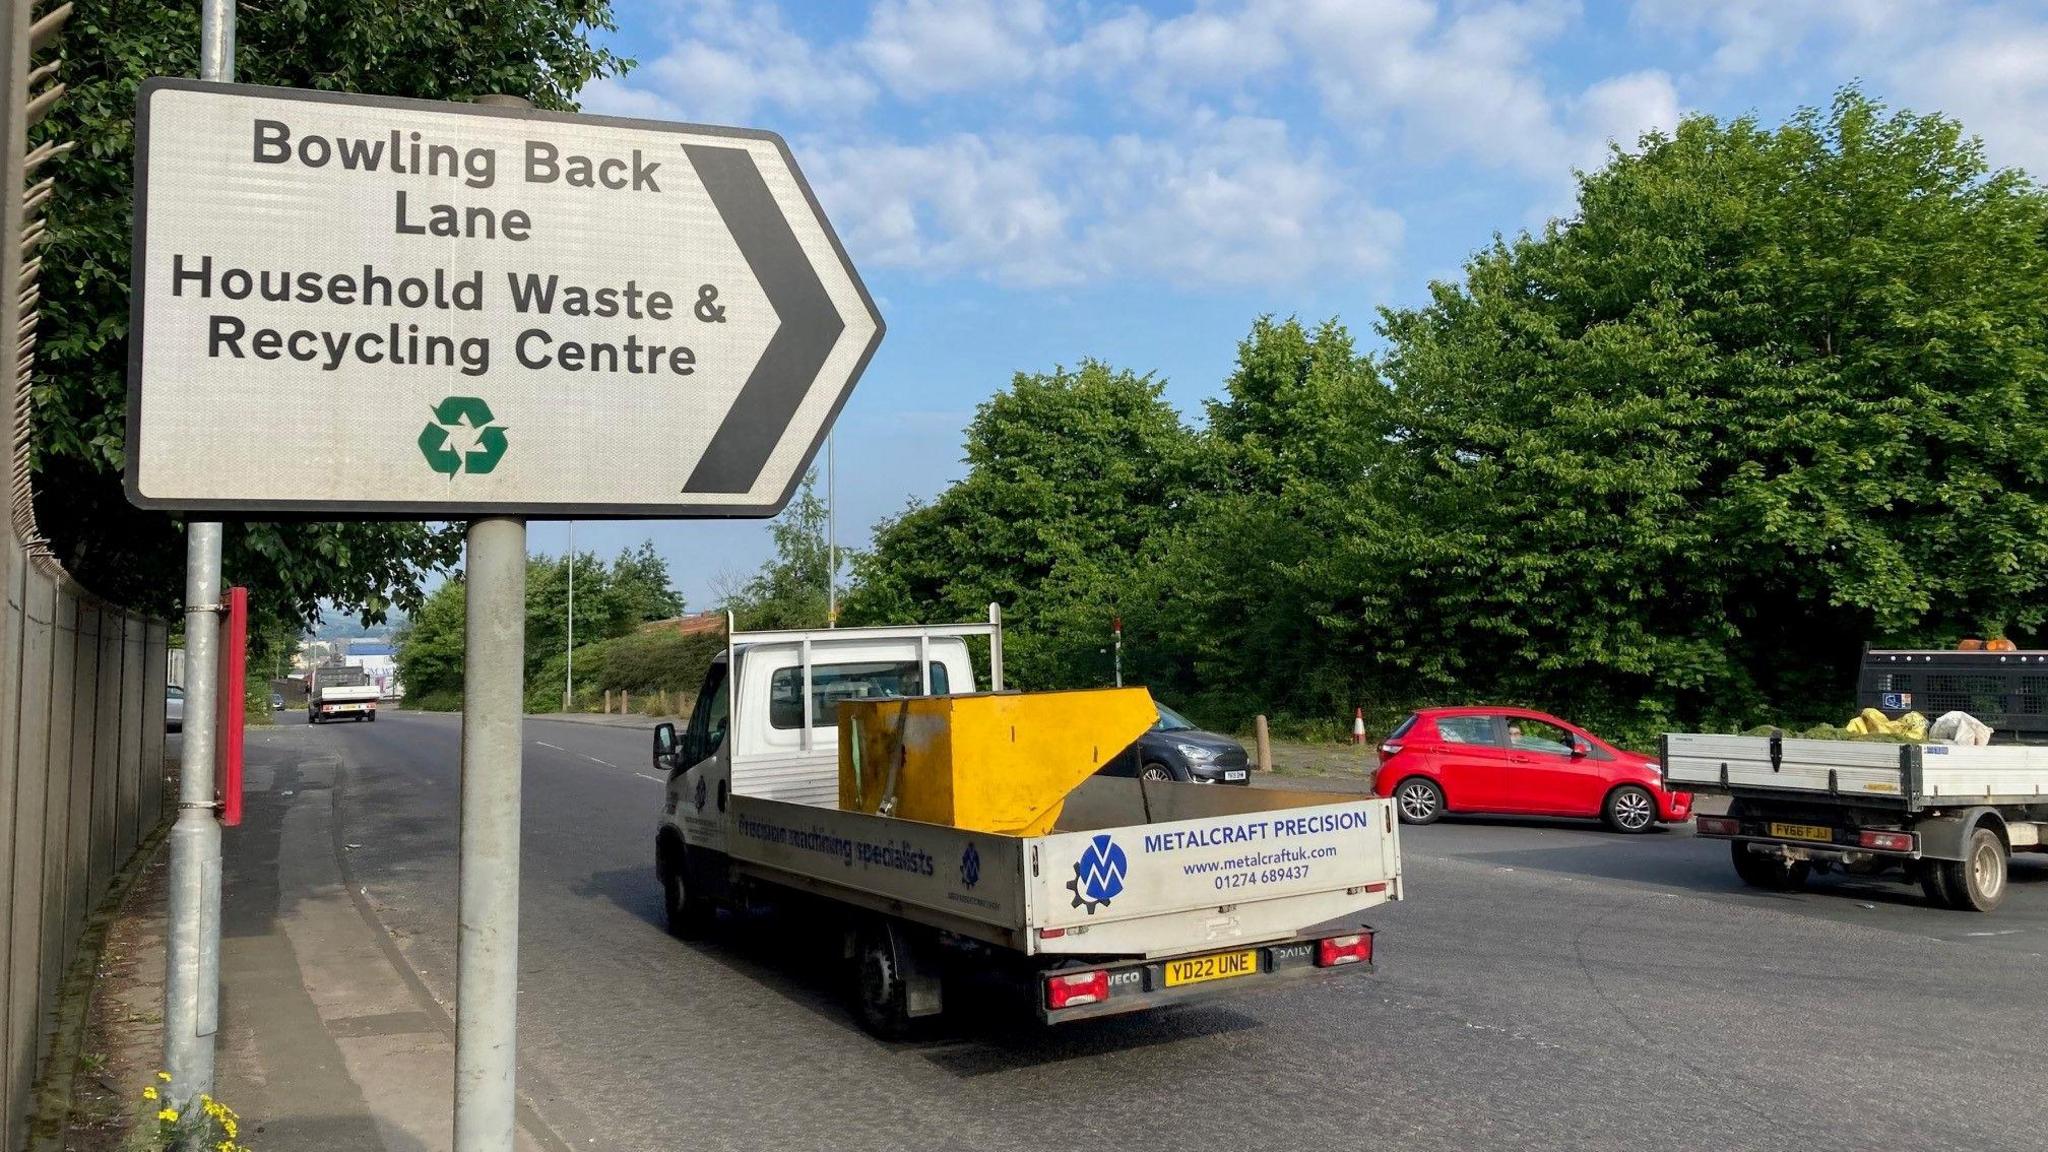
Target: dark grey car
1175,749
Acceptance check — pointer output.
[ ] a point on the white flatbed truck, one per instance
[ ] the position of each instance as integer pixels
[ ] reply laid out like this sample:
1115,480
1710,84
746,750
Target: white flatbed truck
1146,893
1948,817
340,692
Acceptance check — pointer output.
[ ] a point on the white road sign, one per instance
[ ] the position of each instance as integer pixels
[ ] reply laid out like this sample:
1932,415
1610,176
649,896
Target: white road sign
362,306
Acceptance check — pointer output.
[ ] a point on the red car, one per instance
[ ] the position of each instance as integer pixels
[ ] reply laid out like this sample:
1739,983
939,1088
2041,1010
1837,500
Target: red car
1511,760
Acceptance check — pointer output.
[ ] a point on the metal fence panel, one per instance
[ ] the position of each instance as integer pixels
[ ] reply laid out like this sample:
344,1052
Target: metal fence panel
106,761
13,562
57,930
85,707
129,827
155,647
24,941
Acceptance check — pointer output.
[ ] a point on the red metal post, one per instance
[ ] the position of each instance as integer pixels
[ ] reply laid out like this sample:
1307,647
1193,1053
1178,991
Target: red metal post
232,687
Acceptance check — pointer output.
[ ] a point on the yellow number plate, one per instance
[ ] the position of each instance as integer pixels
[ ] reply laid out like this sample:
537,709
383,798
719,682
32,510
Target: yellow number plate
1803,832
1221,966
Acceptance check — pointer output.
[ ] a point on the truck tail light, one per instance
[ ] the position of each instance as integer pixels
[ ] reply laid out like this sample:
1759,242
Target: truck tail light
1073,989
1334,950
1887,841
1718,826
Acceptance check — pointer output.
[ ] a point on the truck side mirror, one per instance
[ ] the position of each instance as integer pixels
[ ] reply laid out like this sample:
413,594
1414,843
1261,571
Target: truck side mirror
665,746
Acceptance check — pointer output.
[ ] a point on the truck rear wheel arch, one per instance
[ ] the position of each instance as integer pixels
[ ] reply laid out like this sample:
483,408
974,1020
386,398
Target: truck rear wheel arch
896,975
1948,837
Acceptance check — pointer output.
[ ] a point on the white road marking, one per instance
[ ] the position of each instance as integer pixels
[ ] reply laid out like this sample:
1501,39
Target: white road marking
645,776
556,747
595,760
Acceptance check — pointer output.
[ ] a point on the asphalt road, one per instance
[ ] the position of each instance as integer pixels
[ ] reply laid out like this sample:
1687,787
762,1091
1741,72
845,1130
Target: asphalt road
1545,985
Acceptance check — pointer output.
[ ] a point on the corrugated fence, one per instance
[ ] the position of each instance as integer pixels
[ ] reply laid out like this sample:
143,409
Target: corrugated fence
81,784
81,680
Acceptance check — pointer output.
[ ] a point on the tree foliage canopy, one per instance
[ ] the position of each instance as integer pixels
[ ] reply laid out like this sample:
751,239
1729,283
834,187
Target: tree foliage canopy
437,51
1769,395
1072,476
612,600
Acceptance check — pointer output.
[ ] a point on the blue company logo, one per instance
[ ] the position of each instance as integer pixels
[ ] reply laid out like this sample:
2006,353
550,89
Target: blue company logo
1098,875
970,866
700,793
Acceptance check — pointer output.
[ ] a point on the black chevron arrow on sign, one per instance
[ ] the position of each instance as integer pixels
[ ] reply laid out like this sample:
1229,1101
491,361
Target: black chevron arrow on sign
809,323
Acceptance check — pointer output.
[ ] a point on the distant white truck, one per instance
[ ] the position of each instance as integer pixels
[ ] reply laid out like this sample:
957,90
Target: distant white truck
340,692
1948,817
1145,893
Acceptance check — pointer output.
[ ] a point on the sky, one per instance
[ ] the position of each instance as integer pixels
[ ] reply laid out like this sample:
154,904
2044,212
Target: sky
1031,183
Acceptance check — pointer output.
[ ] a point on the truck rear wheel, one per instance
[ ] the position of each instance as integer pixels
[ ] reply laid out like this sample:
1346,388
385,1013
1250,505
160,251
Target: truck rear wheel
1771,871
880,991
1975,883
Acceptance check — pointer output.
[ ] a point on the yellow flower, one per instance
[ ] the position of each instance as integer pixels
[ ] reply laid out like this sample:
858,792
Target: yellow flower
168,1115
164,1076
149,1093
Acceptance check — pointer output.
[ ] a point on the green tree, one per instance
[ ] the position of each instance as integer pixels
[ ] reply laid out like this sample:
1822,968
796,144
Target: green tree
791,590
1239,616
1770,395
610,601
430,648
1071,475
446,51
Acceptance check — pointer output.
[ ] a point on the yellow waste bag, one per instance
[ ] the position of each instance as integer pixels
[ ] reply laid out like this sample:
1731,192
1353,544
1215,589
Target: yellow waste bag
1871,722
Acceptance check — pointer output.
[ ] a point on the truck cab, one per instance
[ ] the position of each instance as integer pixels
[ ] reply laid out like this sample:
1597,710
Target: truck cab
789,749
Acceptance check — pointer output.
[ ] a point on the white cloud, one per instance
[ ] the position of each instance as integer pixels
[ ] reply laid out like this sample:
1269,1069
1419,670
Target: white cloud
924,47
1984,64
1990,72
1751,35
1619,110
1185,169
728,64
1228,202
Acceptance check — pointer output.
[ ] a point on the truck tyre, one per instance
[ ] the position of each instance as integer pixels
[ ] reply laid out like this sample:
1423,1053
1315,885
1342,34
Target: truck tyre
684,906
1418,800
1976,883
1770,871
1630,809
1933,882
878,987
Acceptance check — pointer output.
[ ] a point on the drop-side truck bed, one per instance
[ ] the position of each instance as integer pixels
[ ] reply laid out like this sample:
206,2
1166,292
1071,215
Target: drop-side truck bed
1948,817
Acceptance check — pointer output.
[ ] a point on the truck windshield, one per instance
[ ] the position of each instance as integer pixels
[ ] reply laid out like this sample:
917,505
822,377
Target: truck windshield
831,683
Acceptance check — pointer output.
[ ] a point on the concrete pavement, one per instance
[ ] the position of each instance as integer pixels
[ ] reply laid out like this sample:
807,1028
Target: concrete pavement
328,1039
1546,985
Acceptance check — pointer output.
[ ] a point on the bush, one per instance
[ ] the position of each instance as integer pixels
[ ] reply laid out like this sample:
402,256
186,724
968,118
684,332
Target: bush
644,663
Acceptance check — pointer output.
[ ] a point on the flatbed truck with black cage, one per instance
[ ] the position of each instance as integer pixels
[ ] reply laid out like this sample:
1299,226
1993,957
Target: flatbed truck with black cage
1948,817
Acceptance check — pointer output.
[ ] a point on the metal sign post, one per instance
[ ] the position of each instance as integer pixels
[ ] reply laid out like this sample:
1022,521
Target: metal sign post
355,307
192,923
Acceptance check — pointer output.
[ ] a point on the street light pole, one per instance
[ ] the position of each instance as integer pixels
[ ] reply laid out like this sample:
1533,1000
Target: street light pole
832,532
192,922
569,683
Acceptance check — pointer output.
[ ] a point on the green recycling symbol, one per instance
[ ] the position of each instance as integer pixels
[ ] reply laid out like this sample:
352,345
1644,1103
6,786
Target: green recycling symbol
470,419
